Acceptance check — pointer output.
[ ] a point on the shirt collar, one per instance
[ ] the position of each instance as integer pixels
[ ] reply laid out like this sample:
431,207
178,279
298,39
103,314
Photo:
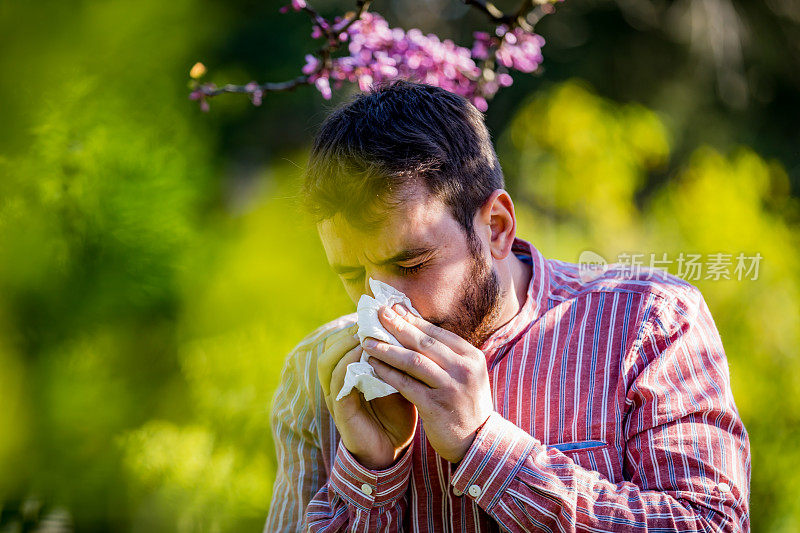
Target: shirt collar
535,301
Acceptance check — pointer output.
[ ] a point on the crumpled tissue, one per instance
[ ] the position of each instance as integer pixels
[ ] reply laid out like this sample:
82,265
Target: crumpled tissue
361,375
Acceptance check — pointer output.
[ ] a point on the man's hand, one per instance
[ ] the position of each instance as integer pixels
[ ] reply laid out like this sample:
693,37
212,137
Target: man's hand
375,433
443,375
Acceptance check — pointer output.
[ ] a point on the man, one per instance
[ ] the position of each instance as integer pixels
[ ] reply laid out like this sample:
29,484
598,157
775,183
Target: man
529,398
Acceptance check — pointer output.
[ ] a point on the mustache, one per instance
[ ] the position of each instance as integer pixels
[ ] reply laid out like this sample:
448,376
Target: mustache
438,323
444,323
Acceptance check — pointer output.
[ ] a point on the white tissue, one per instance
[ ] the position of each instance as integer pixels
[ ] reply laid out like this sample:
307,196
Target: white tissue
361,375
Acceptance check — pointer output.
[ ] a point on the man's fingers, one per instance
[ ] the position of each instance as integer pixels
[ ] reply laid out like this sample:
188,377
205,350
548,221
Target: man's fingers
420,335
337,377
330,358
336,345
415,364
328,402
411,389
446,337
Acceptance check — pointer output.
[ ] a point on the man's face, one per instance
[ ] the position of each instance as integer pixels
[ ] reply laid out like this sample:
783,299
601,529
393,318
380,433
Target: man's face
421,250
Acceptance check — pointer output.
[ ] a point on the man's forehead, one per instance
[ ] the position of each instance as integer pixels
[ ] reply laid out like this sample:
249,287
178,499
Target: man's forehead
413,228
341,239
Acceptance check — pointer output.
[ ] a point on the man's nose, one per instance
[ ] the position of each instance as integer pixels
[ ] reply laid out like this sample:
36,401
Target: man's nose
367,290
384,279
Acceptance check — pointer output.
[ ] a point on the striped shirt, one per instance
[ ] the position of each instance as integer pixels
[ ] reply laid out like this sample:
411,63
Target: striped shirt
613,411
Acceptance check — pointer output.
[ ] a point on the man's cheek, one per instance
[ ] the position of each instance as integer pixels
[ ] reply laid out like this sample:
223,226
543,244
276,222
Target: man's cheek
353,292
435,291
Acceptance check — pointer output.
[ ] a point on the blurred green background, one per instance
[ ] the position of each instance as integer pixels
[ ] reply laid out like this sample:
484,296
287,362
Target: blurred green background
155,272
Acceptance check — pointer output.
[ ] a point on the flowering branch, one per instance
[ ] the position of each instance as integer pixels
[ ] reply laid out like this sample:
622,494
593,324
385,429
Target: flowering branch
378,52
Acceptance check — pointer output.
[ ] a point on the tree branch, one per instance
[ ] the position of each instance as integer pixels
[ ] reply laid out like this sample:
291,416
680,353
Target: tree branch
333,43
525,17
491,11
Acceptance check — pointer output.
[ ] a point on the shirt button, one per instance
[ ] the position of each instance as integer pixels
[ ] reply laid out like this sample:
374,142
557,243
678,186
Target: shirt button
474,491
457,492
366,489
724,487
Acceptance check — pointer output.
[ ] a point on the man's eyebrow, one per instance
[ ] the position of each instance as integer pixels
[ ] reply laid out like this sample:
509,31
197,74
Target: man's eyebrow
405,255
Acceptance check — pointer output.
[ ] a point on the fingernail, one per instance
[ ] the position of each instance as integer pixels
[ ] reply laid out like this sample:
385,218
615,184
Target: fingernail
370,343
388,313
401,310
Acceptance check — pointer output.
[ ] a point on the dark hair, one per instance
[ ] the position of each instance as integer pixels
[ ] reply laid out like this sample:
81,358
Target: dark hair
367,149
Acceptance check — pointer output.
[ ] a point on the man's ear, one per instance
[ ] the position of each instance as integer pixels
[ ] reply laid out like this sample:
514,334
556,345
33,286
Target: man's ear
496,219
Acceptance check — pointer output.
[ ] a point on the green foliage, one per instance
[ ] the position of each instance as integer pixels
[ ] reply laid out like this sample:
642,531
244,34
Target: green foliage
194,482
98,213
582,158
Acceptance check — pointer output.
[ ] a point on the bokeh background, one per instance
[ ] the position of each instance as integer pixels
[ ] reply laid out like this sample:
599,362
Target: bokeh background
155,271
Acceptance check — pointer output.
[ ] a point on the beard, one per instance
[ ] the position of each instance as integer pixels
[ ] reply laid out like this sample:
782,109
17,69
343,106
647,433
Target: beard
478,307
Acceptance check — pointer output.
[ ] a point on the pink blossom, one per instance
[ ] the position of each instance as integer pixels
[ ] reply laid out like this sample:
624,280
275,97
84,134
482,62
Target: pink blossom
364,82
520,50
324,87
480,102
378,53
311,64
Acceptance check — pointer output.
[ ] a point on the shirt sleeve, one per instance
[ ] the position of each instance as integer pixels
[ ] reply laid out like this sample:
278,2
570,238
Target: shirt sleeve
304,497
358,499
687,459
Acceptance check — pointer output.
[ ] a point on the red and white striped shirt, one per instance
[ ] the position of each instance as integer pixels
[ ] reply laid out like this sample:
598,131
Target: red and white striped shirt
613,412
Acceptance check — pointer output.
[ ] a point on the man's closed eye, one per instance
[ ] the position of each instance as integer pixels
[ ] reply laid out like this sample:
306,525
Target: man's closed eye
407,271
353,279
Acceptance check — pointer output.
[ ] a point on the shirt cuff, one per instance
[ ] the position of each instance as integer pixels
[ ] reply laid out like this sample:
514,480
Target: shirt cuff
366,488
496,455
